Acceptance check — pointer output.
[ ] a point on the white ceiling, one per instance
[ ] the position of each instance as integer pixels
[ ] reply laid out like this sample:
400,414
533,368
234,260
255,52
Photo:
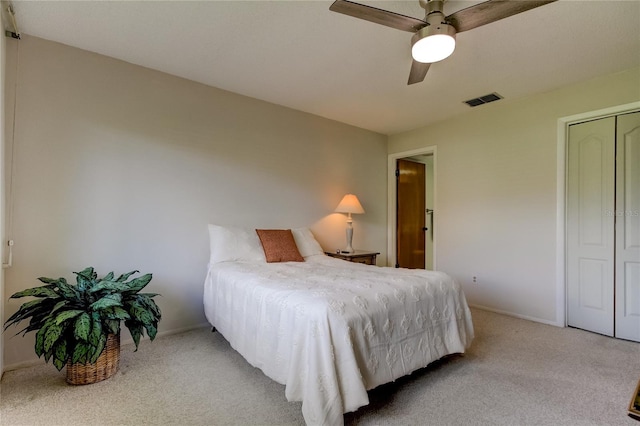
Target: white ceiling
300,55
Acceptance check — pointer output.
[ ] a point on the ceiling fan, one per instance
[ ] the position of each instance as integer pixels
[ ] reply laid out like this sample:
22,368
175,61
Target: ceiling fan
435,36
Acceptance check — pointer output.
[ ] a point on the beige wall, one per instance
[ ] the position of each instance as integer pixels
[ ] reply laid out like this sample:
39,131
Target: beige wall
496,192
121,168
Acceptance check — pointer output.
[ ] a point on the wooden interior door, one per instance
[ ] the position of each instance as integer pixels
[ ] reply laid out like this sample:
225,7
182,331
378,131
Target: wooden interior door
410,218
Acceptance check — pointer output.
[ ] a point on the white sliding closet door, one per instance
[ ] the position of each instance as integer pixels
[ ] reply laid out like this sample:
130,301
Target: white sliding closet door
627,269
590,226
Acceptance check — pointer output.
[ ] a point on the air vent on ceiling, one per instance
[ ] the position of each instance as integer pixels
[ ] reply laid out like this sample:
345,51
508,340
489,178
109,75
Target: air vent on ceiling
483,99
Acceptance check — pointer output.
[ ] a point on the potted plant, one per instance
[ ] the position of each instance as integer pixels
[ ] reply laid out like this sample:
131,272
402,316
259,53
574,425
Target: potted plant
79,325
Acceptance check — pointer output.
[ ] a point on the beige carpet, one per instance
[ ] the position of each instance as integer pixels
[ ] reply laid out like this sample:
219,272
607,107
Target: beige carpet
516,373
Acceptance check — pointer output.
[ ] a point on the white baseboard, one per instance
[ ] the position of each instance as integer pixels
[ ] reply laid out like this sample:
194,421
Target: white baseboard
124,341
512,314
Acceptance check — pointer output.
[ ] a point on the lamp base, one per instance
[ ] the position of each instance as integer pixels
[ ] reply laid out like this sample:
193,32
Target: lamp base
349,249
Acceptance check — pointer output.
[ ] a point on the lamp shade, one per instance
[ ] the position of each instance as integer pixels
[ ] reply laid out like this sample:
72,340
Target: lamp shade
349,204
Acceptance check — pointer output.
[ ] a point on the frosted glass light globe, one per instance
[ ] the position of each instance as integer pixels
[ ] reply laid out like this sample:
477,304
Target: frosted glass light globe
433,48
433,43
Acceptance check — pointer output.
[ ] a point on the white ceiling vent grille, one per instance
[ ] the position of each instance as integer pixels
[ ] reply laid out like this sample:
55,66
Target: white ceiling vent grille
491,97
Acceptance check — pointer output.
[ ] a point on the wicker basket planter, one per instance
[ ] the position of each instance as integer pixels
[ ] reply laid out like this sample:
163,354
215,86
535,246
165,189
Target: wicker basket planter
105,367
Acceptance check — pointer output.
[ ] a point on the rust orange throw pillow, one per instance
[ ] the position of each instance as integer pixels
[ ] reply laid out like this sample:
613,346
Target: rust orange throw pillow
279,245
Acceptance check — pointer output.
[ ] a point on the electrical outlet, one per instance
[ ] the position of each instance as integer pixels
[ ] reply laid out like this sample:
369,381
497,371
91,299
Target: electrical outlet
475,279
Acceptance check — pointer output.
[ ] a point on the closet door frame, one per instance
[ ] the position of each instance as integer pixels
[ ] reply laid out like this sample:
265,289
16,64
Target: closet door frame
561,194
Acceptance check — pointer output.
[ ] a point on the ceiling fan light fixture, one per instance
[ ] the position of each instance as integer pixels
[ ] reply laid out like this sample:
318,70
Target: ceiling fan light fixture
433,43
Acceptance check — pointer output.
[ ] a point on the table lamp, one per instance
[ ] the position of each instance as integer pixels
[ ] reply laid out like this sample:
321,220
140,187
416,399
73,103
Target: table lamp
349,204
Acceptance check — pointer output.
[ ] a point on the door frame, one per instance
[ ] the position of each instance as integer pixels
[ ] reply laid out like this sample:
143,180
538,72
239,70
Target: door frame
561,197
392,199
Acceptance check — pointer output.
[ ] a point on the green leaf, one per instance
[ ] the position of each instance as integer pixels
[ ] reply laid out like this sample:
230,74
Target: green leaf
66,315
61,304
80,352
30,327
40,317
152,330
25,311
58,364
140,313
123,277
49,280
116,312
136,331
47,355
37,322
86,272
40,341
61,350
139,283
97,350
82,327
107,302
68,291
85,278
51,336
43,291
145,299
113,325
60,354
108,277
96,329
109,286
28,305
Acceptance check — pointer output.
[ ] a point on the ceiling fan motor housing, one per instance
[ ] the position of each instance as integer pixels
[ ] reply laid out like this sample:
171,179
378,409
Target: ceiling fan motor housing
432,6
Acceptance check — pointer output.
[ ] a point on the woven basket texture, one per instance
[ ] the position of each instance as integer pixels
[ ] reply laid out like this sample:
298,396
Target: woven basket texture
105,366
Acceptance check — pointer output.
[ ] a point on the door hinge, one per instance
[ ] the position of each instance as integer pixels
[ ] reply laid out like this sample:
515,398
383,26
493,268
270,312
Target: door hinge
397,172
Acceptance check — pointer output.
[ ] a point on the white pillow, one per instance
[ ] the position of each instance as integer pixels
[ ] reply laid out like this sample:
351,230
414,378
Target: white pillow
230,244
306,242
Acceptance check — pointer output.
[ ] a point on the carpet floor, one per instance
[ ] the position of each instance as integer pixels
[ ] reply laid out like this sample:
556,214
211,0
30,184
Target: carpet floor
516,372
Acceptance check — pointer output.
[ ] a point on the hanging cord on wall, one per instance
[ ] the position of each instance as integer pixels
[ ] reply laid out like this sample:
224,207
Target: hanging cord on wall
9,198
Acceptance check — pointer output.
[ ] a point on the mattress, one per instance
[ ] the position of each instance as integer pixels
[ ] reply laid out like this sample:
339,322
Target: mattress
329,330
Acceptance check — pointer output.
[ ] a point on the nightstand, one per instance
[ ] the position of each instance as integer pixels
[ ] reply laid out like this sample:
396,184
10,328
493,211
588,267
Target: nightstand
359,256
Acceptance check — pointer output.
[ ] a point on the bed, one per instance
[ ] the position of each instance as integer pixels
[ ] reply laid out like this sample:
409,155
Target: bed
327,329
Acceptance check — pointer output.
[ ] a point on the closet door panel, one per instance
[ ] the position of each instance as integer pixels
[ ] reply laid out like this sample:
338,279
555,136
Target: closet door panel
590,226
627,215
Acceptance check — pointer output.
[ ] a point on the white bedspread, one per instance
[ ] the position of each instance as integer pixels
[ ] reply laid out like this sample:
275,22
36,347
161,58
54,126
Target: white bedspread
330,330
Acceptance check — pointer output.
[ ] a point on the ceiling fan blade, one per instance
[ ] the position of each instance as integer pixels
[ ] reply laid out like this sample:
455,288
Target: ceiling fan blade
491,11
418,72
378,16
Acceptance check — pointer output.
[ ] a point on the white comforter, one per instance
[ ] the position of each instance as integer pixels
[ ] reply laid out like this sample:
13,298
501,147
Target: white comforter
330,330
